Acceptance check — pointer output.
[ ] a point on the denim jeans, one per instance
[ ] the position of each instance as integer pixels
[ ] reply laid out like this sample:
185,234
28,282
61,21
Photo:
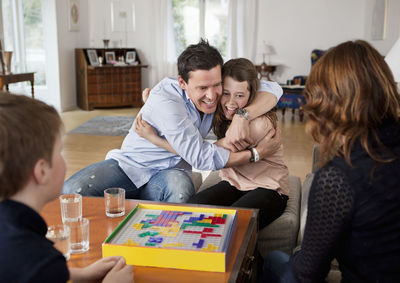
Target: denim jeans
170,185
277,268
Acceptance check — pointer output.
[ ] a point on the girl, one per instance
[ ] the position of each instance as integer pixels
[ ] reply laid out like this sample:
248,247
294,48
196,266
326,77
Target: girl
261,184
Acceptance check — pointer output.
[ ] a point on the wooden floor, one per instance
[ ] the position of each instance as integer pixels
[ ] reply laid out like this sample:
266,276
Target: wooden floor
82,150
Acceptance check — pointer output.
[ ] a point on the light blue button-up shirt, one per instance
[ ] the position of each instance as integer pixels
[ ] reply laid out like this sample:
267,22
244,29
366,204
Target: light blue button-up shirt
174,116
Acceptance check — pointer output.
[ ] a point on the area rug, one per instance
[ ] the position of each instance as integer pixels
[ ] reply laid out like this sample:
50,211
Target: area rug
105,126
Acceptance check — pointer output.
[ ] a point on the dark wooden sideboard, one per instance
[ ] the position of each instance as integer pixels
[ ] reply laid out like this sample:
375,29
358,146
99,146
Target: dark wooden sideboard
107,85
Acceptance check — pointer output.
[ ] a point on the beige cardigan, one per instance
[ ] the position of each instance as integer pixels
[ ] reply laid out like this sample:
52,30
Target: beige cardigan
270,172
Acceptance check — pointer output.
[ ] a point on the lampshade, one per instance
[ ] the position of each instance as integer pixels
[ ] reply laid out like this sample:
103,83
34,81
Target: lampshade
268,49
393,60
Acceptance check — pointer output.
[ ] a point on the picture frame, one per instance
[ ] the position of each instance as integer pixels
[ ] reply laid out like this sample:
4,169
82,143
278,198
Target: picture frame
110,57
130,57
93,58
73,15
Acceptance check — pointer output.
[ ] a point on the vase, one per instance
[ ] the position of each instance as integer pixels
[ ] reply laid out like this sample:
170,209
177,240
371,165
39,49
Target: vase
106,42
7,61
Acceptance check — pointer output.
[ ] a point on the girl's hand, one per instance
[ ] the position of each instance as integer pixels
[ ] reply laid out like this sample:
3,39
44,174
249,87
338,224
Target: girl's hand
145,94
143,129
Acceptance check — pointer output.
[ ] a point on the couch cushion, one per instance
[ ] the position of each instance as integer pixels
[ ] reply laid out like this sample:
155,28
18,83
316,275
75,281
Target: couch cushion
305,191
282,233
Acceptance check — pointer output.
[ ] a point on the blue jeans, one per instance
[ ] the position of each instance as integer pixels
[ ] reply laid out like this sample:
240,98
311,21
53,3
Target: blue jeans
170,185
277,268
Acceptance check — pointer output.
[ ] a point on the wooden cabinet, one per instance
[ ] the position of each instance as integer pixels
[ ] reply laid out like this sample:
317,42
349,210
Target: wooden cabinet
107,85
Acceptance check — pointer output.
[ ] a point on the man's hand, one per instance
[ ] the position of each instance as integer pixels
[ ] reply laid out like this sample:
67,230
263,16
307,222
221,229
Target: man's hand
145,94
270,143
238,134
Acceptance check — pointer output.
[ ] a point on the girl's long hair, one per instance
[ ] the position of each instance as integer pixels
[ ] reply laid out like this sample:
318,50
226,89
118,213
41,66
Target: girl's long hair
240,70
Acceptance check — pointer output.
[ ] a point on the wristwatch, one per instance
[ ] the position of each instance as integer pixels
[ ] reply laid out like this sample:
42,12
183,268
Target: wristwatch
243,113
254,154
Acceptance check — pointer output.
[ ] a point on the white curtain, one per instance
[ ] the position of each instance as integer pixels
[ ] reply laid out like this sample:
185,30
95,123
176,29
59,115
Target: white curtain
162,61
242,29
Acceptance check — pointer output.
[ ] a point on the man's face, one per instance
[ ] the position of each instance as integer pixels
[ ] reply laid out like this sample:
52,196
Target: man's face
204,88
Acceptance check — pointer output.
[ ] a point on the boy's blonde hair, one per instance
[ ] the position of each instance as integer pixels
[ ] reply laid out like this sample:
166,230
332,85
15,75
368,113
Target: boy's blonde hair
28,132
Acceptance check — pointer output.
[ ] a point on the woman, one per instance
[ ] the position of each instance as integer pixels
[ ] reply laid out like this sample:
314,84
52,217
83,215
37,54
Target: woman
261,184
354,204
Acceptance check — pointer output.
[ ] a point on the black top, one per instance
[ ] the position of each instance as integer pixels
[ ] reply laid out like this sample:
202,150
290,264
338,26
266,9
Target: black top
25,253
354,216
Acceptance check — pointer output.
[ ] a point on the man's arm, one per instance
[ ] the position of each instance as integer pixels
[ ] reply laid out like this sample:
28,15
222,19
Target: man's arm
267,146
238,134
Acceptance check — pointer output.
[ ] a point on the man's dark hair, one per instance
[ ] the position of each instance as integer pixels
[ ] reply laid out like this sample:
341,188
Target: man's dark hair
200,56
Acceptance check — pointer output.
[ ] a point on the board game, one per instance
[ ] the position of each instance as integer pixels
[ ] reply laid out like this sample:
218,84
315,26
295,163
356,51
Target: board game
184,237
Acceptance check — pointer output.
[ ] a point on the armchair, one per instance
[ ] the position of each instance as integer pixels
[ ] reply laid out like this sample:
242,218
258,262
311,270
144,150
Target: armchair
292,93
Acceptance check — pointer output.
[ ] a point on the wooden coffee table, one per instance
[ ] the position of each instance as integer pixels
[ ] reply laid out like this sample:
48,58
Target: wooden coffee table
240,263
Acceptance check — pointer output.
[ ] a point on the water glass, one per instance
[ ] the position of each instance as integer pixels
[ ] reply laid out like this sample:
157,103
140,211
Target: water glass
79,236
71,207
60,235
114,199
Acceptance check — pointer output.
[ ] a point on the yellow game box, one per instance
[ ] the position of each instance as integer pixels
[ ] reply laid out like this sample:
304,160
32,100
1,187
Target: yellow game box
170,236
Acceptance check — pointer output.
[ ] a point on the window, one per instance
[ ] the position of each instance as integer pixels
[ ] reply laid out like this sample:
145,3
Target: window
195,19
23,34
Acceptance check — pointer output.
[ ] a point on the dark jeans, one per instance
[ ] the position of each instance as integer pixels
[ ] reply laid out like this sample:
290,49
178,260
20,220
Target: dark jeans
277,268
270,203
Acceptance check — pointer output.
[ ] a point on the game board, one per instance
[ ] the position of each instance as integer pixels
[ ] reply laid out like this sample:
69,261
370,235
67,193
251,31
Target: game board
183,237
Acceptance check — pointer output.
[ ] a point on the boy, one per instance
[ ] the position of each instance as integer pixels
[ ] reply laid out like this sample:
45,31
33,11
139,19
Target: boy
32,172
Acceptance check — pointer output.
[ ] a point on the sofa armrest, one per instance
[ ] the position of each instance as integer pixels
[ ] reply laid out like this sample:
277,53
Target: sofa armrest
282,233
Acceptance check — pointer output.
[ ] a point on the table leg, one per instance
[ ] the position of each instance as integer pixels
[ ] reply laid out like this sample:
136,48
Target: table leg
301,114
283,112
32,90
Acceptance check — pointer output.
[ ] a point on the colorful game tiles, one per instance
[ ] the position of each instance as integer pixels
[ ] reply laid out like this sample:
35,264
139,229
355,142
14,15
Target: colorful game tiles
185,237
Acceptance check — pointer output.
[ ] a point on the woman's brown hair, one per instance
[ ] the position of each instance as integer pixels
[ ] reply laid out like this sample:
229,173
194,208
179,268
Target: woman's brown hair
240,70
350,92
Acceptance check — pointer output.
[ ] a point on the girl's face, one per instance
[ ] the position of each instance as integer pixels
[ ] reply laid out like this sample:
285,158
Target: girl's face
235,96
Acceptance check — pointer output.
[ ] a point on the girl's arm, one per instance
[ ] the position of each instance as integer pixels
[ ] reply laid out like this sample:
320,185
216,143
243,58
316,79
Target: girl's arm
146,131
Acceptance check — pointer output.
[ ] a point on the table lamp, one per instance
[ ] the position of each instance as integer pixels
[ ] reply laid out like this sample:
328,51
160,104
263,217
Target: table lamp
268,50
393,60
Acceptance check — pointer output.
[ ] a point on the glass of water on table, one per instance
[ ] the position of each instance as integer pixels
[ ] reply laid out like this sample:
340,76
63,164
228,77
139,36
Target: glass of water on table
71,214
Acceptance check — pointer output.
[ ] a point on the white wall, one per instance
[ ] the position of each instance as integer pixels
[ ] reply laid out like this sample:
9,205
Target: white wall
140,38
60,90
293,27
67,42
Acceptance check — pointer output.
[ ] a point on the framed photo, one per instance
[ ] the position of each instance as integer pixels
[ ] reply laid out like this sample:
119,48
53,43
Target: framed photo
110,57
93,59
130,57
74,14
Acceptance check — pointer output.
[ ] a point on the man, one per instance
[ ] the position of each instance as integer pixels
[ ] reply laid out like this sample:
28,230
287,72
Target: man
181,111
